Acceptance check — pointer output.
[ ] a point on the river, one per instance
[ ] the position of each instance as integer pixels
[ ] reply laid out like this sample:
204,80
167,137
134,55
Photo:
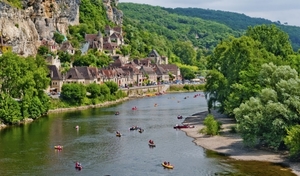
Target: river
29,149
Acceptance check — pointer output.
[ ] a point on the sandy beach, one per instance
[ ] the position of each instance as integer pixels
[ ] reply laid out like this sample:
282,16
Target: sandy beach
231,144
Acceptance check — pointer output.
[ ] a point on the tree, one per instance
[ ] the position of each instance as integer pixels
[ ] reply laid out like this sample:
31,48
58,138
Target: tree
265,118
292,141
59,38
272,39
94,90
42,50
113,87
73,93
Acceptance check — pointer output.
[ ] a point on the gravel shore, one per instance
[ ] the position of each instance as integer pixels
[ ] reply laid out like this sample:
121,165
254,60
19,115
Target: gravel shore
231,144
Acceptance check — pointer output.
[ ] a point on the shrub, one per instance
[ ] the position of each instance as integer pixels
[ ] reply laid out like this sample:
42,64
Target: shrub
212,126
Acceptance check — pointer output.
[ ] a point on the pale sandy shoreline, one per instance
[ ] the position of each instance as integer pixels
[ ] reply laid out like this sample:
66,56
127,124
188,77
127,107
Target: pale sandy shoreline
231,144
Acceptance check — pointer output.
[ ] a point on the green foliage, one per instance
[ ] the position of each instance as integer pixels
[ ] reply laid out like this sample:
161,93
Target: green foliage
235,66
212,126
73,93
263,119
273,39
43,50
15,3
9,109
113,87
292,141
59,38
236,21
93,58
94,90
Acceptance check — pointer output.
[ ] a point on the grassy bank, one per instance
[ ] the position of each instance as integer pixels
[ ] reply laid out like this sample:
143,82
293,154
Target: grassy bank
186,87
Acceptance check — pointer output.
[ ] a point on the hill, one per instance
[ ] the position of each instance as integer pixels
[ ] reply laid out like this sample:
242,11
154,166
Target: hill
204,27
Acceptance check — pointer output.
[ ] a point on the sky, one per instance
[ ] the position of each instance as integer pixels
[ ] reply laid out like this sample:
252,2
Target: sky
285,11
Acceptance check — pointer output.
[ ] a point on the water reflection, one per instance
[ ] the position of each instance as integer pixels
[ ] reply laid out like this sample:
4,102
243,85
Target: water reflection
28,150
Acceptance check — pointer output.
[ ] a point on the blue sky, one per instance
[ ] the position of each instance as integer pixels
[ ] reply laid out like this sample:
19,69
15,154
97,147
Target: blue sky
285,11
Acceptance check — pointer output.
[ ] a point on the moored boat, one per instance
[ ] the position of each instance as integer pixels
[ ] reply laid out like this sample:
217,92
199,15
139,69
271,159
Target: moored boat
183,126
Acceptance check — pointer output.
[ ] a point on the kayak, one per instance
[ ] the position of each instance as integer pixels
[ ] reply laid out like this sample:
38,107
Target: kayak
118,135
58,147
167,166
78,167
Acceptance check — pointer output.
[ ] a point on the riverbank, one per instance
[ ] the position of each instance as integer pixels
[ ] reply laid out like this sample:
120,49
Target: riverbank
79,108
231,144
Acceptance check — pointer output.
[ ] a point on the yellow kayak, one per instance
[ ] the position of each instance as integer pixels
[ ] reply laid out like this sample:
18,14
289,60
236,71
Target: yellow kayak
118,135
167,166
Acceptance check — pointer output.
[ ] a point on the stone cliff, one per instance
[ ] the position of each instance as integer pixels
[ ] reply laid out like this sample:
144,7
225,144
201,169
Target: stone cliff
113,14
22,29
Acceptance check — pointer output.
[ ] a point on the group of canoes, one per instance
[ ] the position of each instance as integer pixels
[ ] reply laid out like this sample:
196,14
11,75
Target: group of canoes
78,165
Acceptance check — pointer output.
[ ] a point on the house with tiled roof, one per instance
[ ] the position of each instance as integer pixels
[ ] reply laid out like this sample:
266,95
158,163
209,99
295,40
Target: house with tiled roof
108,74
74,76
156,58
56,79
162,74
148,74
50,44
134,74
66,46
95,41
174,70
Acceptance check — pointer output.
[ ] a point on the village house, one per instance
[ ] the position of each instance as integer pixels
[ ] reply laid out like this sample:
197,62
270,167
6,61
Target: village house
56,79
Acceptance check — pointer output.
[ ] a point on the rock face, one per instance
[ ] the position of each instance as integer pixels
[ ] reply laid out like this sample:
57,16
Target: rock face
17,30
23,29
52,15
113,14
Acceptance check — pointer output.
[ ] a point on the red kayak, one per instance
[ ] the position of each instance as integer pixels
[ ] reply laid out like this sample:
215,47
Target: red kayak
183,126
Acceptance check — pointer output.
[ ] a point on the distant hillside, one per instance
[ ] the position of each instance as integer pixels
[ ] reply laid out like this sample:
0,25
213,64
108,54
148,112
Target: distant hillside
204,28
237,21
202,33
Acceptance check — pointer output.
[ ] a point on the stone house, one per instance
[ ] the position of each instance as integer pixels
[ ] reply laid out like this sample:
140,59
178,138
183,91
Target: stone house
173,70
66,46
56,79
148,74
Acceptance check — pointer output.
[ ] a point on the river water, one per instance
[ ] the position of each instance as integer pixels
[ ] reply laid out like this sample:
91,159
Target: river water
29,149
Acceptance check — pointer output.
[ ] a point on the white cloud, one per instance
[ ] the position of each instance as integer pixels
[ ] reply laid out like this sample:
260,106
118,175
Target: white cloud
276,10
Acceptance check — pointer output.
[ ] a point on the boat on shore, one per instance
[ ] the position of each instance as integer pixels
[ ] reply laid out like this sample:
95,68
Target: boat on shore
183,126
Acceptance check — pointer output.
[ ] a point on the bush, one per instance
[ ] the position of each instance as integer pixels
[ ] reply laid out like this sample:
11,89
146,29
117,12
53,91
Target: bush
292,141
212,126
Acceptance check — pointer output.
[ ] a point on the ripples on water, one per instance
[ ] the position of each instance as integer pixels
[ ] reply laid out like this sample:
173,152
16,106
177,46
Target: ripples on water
102,153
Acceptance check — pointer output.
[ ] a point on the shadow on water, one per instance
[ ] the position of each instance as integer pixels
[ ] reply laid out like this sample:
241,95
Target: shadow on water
249,168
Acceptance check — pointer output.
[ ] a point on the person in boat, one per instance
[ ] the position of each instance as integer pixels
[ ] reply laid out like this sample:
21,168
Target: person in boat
165,163
168,164
150,141
118,132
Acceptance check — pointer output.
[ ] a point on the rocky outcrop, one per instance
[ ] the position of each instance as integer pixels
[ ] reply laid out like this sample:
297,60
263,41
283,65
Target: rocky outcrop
52,15
113,14
17,30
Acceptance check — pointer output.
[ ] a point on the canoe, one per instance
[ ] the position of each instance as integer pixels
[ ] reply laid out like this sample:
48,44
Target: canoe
151,145
167,166
183,126
78,167
58,147
119,135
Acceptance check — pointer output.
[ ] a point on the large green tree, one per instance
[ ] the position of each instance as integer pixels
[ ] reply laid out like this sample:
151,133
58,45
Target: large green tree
265,118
